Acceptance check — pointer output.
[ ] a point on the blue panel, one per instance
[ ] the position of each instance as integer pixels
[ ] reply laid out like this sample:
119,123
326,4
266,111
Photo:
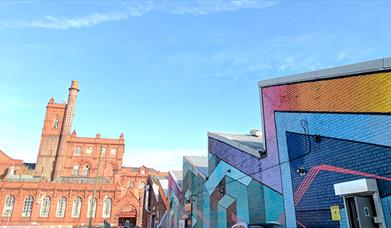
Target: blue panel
220,172
364,128
222,215
238,191
226,201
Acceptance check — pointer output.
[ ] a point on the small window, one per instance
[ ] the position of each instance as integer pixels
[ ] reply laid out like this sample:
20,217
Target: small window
103,151
131,184
77,151
56,123
75,170
45,207
89,150
61,205
86,170
113,151
27,206
8,206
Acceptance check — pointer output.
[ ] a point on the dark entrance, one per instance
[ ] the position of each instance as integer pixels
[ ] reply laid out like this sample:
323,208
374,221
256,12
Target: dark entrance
127,222
361,212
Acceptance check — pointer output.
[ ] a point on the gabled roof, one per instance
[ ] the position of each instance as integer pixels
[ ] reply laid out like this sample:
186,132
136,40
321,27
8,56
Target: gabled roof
160,187
251,144
177,175
199,163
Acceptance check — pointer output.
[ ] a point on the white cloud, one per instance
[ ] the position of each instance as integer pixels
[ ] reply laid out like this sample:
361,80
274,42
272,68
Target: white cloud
50,22
137,9
159,159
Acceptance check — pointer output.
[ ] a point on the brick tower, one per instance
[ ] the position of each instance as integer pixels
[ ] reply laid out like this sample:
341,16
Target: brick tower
55,134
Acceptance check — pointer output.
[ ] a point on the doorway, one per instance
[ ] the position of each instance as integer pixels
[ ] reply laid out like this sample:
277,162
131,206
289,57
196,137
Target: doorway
362,204
127,222
361,211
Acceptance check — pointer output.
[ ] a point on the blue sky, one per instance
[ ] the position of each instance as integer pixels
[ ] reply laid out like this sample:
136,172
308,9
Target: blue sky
167,72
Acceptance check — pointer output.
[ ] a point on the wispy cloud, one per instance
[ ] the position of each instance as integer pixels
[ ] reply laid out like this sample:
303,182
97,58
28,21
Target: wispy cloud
51,22
266,58
138,9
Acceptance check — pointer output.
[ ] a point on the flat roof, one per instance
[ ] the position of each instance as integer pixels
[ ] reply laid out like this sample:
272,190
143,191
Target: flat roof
199,163
351,69
245,142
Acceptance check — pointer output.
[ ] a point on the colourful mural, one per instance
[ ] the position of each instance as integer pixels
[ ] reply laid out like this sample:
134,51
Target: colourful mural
318,132
244,198
336,130
175,199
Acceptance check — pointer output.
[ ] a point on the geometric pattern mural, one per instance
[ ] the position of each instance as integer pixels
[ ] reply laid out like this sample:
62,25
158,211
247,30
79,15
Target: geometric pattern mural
352,117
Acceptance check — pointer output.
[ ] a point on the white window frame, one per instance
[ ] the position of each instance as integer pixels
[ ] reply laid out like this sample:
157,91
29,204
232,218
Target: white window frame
56,123
61,207
86,170
45,207
107,204
8,206
89,150
91,205
103,151
77,150
74,173
27,206
113,152
76,207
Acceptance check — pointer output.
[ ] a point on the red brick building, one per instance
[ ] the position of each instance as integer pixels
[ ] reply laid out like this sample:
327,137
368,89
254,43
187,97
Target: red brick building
70,170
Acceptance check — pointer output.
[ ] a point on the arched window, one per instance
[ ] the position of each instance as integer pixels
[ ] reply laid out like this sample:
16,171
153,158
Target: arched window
75,170
45,207
56,123
61,205
141,185
27,206
86,170
106,207
8,206
76,207
131,184
91,209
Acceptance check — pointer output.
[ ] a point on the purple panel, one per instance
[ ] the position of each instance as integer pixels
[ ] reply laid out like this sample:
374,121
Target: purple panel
174,187
264,170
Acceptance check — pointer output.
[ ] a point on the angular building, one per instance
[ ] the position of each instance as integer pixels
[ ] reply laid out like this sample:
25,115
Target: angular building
76,180
322,158
328,135
155,202
175,198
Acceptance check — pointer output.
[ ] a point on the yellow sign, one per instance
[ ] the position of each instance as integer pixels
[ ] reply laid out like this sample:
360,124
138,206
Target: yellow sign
335,214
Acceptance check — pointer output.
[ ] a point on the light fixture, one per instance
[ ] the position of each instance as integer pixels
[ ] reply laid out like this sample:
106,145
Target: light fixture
301,171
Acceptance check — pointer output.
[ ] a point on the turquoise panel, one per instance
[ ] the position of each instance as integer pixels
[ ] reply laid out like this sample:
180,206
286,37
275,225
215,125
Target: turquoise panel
239,191
222,215
220,172
273,198
226,201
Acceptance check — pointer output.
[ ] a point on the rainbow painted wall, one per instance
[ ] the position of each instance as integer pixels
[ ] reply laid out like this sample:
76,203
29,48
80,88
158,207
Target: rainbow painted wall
337,125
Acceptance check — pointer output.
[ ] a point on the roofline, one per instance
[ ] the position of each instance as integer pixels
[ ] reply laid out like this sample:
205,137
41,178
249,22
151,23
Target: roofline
371,66
171,175
237,145
195,167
